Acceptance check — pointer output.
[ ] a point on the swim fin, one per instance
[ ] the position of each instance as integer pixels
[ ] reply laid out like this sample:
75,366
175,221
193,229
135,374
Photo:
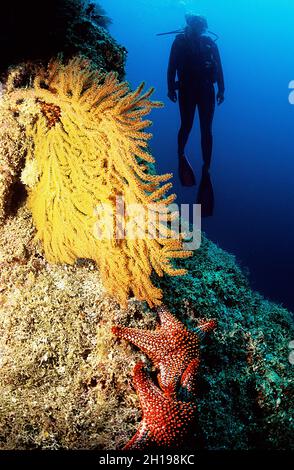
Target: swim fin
206,194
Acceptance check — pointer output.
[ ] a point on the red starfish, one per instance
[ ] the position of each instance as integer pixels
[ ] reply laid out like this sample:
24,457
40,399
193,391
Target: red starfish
171,347
166,421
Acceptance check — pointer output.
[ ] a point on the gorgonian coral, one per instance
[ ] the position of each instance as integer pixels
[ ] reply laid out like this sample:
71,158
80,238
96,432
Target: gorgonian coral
89,151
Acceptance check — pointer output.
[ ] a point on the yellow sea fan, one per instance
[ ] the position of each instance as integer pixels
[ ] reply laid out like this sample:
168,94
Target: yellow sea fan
90,147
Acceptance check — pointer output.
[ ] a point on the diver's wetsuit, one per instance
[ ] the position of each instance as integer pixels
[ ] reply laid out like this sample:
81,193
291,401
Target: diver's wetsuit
198,66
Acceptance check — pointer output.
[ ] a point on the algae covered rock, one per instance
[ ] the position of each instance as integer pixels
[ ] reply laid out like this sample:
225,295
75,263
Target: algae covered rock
66,382
246,388
63,378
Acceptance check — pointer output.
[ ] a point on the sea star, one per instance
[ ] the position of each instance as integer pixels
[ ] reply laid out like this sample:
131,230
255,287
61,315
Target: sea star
171,347
166,421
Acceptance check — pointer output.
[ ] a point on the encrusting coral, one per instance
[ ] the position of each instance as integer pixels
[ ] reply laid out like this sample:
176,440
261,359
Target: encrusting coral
89,149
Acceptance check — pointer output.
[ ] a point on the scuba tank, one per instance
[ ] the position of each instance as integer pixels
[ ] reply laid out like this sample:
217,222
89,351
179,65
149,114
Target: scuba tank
179,31
209,65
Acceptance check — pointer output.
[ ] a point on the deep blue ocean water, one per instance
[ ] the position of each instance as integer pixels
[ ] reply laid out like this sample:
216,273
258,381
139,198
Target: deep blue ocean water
253,159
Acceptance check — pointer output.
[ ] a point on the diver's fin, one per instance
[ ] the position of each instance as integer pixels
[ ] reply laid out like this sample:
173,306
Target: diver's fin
206,195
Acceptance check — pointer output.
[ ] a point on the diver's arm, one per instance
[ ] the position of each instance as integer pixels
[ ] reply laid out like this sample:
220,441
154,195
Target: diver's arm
220,74
171,73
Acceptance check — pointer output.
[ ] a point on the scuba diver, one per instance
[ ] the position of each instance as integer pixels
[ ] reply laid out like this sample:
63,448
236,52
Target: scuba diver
195,59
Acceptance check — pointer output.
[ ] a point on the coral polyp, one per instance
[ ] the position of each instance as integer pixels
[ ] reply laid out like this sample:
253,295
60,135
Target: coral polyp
89,150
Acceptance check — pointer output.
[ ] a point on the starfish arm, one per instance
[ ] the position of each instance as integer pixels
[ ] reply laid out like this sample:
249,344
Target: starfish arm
169,375
167,386
166,420
188,379
168,321
174,351
147,341
140,439
146,389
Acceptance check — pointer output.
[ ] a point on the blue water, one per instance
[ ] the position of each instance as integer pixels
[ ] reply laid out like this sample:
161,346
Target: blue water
253,161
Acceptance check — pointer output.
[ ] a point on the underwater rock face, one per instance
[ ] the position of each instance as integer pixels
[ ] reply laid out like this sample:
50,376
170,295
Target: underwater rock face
62,378
12,155
246,393
35,34
66,382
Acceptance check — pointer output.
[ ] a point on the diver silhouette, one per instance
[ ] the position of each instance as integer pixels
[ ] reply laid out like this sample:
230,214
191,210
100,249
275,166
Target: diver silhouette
196,61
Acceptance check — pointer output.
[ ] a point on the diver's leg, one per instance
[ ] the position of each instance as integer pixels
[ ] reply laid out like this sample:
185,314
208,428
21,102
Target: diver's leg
206,107
187,105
